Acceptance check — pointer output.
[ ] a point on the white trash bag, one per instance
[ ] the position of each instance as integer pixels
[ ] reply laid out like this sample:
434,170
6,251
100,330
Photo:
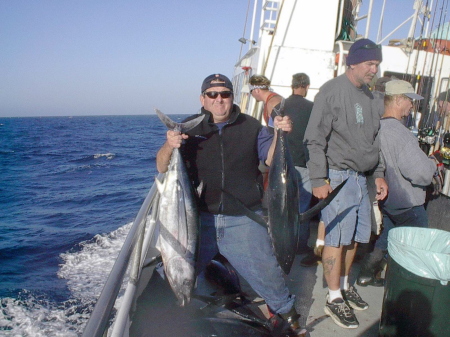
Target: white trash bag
422,251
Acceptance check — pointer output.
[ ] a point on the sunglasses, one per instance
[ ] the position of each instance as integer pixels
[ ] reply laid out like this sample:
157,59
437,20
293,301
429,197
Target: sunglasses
215,94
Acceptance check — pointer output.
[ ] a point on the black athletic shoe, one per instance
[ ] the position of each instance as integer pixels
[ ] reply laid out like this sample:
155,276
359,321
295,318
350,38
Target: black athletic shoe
287,325
353,299
341,314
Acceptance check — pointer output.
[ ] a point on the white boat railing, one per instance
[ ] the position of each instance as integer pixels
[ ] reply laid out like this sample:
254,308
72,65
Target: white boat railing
130,255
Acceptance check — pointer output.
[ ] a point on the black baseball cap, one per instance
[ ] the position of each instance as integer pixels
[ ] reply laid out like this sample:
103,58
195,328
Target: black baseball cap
216,80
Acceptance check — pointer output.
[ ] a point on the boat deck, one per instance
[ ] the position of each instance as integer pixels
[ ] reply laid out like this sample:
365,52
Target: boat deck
310,288
157,314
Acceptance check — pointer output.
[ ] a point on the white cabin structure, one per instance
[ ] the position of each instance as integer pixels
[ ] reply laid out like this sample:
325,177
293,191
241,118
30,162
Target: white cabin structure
292,36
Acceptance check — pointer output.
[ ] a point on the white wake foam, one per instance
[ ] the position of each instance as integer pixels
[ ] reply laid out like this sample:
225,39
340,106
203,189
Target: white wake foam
108,155
86,271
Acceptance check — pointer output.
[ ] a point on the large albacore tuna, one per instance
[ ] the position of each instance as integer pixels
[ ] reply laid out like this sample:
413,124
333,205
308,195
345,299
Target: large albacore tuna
179,219
282,198
282,202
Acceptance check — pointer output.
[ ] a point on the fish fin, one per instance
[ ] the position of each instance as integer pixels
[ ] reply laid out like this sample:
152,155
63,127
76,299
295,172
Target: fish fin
218,301
229,303
152,261
159,185
186,126
171,125
280,111
245,312
199,189
321,204
182,214
183,127
245,210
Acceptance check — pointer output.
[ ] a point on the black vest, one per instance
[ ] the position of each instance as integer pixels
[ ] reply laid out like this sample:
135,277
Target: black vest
225,162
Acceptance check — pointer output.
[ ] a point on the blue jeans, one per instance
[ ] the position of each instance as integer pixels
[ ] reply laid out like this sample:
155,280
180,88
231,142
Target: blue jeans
348,217
247,246
414,217
305,195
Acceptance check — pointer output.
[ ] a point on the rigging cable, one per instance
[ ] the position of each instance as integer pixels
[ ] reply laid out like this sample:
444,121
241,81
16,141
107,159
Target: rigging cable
422,43
410,46
245,27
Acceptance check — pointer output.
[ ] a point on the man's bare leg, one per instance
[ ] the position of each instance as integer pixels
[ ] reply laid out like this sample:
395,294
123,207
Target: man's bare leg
332,264
349,253
336,307
349,292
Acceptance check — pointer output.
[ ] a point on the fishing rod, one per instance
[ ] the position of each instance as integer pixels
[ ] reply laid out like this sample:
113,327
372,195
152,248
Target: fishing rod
441,114
439,50
426,131
427,107
441,146
421,80
433,133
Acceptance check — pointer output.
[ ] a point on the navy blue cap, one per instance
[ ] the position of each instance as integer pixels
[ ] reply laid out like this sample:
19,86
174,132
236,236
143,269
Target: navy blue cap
216,80
364,50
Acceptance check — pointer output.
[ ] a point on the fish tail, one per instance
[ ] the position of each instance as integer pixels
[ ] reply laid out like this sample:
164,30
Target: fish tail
182,127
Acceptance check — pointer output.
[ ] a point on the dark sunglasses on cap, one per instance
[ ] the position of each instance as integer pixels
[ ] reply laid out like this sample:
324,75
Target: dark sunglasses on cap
369,46
215,94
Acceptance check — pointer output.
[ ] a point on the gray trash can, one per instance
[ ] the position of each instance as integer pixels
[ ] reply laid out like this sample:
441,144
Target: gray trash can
417,288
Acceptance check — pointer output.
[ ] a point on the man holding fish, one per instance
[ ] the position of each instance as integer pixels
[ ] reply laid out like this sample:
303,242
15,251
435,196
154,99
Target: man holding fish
222,155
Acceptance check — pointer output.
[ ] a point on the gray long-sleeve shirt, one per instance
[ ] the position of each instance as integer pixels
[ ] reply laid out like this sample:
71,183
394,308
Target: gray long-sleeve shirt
408,169
342,130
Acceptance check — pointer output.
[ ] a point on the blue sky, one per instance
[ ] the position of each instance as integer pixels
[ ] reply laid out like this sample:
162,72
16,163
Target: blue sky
81,57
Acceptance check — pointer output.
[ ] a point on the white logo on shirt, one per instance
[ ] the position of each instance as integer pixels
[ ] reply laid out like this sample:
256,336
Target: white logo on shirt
359,114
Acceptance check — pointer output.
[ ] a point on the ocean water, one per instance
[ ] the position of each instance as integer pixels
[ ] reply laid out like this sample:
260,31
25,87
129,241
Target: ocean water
70,188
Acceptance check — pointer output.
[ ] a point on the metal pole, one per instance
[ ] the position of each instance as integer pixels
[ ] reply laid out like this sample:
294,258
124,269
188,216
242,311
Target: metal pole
98,321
